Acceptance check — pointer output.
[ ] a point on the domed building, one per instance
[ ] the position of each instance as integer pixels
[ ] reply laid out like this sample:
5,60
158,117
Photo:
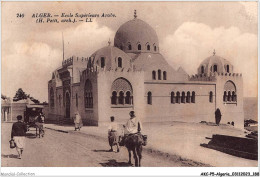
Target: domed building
215,64
134,75
136,36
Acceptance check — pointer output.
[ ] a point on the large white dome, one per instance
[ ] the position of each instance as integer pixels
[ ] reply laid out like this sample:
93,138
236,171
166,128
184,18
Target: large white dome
136,33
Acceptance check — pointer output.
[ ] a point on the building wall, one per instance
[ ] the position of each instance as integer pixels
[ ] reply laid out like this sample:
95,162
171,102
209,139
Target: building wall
231,111
6,114
89,115
74,94
46,111
6,110
162,109
18,109
52,115
59,102
121,113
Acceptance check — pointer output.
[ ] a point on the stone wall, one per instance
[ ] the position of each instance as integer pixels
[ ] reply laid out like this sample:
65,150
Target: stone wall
231,111
162,109
18,109
120,112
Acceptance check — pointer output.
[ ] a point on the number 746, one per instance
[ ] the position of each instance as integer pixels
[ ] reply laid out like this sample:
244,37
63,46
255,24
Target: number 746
19,15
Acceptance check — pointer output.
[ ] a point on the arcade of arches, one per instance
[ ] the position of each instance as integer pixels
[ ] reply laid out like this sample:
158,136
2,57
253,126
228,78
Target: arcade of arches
122,92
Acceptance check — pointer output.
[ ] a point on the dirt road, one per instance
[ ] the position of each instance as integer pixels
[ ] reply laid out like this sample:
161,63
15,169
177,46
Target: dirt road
59,149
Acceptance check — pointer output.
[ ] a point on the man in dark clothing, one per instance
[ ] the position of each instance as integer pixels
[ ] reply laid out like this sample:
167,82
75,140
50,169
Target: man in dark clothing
218,116
18,135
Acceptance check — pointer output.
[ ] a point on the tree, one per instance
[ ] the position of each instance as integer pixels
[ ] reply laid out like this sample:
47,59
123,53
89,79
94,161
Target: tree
3,97
20,95
35,100
45,103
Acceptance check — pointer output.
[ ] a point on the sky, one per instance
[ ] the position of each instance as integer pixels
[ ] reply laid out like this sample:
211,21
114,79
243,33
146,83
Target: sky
188,33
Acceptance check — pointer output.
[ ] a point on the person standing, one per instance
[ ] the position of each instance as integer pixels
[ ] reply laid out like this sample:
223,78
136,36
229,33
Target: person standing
218,116
39,121
77,121
112,134
18,135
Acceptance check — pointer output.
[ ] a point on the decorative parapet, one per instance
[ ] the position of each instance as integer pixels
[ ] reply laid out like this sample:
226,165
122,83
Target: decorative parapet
67,62
212,76
231,74
93,71
202,77
73,59
118,70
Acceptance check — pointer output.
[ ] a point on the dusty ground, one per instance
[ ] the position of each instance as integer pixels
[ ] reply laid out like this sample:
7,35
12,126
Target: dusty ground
184,139
180,140
77,149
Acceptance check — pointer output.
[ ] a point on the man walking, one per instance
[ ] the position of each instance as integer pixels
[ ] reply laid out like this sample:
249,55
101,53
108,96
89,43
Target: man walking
18,135
112,134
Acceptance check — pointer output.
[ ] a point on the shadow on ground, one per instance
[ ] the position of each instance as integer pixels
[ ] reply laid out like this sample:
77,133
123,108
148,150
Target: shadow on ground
114,163
30,135
101,150
9,156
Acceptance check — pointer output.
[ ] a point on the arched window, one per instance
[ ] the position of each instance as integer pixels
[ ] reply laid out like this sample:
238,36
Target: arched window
159,74
229,96
128,98
129,47
215,68
119,62
155,48
149,98
102,62
183,97
51,98
121,98
178,98
88,94
148,47
188,97
154,75
202,69
87,100
193,97
77,100
210,96
114,98
139,47
60,100
122,92
164,75
229,91
90,100
225,96
227,68
234,96
172,98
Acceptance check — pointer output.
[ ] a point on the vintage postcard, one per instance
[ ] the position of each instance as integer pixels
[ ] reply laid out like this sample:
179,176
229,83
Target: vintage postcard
129,84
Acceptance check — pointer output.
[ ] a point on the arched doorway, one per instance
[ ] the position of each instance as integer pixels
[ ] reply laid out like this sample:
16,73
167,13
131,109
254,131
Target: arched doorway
67,114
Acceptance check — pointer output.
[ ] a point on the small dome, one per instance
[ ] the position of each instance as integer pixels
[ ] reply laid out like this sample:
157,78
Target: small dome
136,36
215,64
111,57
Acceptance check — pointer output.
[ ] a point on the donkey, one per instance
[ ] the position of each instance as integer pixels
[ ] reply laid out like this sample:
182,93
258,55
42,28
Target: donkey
133,143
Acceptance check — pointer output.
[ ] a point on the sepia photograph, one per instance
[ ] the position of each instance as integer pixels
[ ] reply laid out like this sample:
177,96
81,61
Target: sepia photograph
129,84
